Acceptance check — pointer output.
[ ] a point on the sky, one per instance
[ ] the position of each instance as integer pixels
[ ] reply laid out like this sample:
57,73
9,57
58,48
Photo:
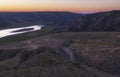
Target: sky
59,5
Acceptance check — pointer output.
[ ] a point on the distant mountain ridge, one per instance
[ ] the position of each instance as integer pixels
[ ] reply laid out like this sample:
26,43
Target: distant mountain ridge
64,21
16,19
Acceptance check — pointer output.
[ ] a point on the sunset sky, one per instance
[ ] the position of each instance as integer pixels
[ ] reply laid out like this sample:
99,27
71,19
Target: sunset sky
59,5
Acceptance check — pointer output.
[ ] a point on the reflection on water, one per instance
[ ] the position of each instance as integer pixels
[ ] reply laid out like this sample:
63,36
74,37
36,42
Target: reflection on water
26,29
13,31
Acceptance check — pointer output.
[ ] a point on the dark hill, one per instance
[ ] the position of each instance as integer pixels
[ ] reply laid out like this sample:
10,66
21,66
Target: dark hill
16,19
106,21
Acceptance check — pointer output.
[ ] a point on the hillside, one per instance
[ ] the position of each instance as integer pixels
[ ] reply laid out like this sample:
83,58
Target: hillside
69,54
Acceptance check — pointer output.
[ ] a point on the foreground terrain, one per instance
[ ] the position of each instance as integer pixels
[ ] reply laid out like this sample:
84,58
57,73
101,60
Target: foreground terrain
67,54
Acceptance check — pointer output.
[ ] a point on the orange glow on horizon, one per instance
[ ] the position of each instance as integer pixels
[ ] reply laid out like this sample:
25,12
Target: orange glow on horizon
56,5
31,9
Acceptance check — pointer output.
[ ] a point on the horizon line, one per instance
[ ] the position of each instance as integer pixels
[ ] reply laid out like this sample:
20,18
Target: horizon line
59,11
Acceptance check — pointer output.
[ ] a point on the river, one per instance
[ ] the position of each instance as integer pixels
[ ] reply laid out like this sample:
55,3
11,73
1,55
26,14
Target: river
14,31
